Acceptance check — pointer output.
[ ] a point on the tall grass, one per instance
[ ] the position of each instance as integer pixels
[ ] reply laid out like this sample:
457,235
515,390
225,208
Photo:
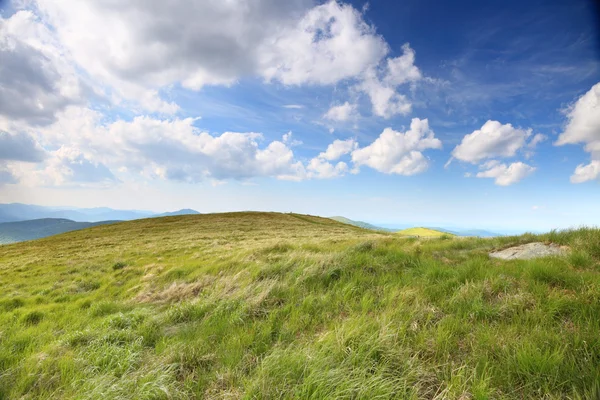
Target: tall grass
262,305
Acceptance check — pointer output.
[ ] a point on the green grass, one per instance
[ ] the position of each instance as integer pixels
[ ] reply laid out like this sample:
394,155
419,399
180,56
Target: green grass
265,305
423,232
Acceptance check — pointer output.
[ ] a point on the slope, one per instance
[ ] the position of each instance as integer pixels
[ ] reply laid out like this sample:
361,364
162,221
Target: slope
12,232
266,305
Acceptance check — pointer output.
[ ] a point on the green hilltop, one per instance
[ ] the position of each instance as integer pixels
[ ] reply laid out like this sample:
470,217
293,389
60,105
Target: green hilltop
269,305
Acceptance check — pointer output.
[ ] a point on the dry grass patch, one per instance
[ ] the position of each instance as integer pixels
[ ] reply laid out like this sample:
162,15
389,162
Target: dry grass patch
176,291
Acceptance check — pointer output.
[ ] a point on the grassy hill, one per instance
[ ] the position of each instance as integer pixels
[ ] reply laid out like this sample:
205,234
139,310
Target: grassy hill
266,305
423,232
12,232
360,224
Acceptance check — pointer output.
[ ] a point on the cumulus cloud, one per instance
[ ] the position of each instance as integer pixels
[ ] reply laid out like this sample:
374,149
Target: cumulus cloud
16,149
338,148
135,51
385,99
320,169
6,175
402,69
583,127
399,153
584,173
329,44
69,165
172,149
35,81
495,140
537,139
139,47
381,87
341,113
491,141
290,141
505,175
20,147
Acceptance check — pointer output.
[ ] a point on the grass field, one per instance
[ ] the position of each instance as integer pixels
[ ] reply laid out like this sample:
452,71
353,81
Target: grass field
265,305
422,232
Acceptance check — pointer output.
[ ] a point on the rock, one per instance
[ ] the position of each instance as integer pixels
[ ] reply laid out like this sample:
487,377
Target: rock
529,251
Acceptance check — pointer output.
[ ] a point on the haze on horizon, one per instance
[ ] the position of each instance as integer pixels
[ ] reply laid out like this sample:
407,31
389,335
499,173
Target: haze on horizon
479,115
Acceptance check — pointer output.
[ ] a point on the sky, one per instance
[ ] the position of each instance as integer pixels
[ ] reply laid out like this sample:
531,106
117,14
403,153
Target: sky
417,112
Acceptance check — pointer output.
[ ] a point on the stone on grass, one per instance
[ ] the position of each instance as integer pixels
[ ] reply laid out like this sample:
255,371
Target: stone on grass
529,251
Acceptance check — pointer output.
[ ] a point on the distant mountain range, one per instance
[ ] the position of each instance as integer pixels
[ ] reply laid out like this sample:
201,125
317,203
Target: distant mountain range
22,212
360,224
185,211
456,232
12,232
20,222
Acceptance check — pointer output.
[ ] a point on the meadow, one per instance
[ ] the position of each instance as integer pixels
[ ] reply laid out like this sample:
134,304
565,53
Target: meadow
288,306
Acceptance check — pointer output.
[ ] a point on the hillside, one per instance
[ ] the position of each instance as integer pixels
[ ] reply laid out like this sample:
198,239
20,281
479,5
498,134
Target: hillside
423,232
267,305
360,224
12,232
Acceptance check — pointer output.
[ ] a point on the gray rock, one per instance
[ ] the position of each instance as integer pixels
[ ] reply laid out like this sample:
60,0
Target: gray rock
529,251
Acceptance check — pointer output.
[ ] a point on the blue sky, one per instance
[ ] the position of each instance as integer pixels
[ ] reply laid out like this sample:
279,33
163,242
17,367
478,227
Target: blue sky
465,114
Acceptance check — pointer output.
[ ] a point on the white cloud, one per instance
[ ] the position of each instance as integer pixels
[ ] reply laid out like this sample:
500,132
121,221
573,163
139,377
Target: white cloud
321,169
35,80
20,147
507,175
293,106
386,102
6,175
290,141
172,149
402,69
139,47
584,173
338,148
70,166
397,152
537,139
491,141
330,43
16,150
583,127
341,113
382,90
489,164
